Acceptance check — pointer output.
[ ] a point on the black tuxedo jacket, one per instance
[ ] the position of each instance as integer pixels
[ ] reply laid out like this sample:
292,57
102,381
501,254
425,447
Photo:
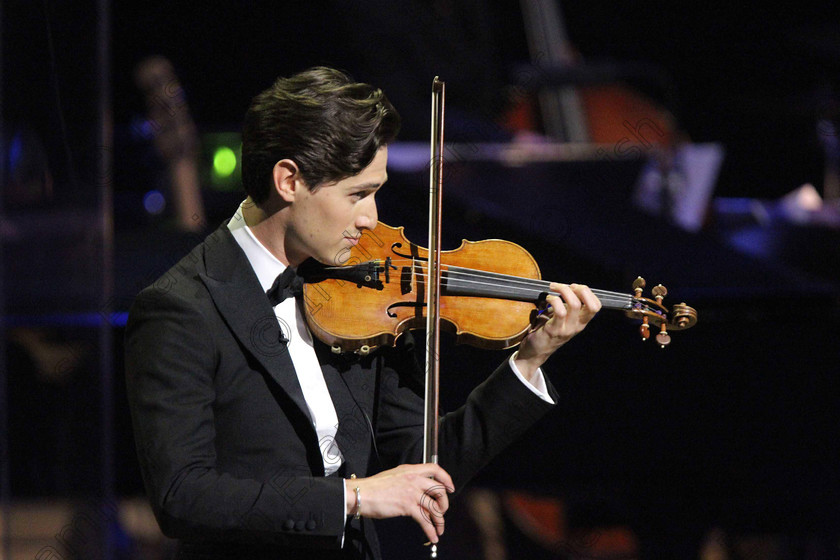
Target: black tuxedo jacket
229,455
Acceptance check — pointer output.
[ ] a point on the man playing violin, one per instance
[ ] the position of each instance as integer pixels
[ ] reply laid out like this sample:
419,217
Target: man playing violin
254,439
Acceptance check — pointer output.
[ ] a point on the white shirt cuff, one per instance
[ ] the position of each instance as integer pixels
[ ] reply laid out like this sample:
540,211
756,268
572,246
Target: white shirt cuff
344,492
538,387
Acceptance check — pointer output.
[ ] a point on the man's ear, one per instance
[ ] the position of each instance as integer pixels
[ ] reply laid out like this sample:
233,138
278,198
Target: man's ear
287,179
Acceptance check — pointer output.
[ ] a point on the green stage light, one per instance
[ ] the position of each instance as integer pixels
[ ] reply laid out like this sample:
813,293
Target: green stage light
224,161
219,163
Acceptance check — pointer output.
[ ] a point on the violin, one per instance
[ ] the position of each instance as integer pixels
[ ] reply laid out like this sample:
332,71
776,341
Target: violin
491,294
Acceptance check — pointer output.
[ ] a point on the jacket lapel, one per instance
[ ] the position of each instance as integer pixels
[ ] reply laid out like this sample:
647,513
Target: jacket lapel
346,381
238,296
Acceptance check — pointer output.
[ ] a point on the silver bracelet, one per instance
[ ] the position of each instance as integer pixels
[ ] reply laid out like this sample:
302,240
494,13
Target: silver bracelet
357,511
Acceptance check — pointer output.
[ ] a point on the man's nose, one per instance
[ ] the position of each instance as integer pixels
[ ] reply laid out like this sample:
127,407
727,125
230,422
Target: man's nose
369,216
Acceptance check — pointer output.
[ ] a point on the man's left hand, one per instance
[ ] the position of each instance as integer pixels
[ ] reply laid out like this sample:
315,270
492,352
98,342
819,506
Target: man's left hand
565,316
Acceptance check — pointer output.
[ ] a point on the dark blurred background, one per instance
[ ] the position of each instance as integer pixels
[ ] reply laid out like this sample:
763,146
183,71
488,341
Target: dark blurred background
708,162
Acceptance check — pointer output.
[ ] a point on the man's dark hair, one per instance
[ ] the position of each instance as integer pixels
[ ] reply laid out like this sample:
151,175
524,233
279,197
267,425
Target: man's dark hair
328,124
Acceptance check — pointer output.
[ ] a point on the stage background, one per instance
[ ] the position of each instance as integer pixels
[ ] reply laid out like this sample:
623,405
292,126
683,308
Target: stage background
725,442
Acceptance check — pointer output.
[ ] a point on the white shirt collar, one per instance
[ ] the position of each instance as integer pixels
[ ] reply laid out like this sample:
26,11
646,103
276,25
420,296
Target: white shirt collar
265,265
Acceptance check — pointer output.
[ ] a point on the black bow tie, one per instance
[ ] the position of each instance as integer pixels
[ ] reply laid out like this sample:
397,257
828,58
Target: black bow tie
288,284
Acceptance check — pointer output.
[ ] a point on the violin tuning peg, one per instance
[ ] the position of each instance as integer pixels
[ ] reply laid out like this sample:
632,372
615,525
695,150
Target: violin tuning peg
638,285
663,338
659,292
645,328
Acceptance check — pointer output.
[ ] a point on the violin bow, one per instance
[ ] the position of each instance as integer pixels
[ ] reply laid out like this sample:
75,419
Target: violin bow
430,445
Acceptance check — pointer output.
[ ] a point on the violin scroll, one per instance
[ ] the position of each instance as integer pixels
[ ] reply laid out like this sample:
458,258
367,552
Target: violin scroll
653,312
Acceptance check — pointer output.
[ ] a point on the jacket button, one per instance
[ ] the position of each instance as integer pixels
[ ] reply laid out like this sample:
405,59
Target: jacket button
289,524
310,525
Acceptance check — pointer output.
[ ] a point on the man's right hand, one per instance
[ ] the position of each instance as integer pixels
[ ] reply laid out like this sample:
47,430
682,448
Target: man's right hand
417,491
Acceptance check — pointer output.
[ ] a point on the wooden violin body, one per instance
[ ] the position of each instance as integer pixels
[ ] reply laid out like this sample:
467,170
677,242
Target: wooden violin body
353,314
491,291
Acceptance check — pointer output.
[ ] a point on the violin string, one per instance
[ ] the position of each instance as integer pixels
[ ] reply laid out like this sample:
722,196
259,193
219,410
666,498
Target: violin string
533,287
528,287
528,283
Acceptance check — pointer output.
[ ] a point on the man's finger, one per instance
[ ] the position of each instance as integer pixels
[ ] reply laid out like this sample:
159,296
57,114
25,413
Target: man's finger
436,472
570,297
557,307
589,299
436,501
422,519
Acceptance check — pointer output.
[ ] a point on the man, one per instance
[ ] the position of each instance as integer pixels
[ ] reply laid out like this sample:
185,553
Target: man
256,441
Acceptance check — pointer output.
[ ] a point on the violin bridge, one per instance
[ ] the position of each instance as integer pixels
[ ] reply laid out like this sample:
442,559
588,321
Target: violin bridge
405,280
